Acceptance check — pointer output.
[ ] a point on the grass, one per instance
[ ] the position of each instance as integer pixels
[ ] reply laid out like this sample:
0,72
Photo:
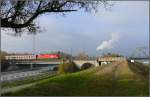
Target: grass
87,83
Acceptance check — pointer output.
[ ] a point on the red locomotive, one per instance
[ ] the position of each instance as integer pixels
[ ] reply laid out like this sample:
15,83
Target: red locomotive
47,56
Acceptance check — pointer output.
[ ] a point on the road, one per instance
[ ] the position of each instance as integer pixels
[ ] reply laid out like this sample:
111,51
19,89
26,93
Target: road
9,76
23,86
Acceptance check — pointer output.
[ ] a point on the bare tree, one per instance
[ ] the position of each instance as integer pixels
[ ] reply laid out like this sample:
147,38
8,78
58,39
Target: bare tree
21,14
82,56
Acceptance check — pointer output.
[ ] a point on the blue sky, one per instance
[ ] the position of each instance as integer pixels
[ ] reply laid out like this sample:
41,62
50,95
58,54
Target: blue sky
84,31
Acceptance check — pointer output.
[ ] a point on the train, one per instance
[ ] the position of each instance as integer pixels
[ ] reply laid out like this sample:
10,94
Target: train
32,56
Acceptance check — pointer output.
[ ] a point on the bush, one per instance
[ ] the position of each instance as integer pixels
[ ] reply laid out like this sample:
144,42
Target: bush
86,66
68,68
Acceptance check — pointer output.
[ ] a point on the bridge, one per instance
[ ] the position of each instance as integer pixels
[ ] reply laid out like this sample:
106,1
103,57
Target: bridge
80,63
140,53
100,61
145,61
15,65
139,58
51,64
37,62
106,60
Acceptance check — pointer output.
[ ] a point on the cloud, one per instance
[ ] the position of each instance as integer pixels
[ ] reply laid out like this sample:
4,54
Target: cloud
123,13
110,43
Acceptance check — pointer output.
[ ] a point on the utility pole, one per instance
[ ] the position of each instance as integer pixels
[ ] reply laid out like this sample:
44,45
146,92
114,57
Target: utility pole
34,49
34,44
71,59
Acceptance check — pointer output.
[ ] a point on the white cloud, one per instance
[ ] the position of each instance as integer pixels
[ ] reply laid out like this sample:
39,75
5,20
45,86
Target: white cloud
124,12
110,43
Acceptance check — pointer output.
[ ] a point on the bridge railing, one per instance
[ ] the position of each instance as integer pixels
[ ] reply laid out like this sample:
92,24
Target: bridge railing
111,59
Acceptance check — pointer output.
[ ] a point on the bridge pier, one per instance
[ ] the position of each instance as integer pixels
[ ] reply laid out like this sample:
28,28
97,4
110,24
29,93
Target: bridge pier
12,66
99,63
31,66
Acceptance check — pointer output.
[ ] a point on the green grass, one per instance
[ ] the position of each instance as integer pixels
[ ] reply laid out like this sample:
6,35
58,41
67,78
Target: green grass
86,83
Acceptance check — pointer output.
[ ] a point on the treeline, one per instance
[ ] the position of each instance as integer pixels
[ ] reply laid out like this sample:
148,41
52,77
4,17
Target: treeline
4,63
111,55
2,55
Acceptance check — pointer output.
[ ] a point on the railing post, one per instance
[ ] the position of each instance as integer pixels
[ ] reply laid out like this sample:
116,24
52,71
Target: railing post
31,66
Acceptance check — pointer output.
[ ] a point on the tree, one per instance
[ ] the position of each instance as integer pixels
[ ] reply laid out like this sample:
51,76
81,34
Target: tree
2,55
82,56
68,67
4,63
112,55
21,14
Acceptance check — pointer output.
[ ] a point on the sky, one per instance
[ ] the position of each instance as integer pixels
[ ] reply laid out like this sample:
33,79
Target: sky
120,29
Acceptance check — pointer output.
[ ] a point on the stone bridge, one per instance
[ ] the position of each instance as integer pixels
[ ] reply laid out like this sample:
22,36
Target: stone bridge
80,63
100,61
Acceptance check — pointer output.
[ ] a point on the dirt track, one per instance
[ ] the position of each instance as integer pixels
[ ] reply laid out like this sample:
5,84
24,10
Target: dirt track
124,68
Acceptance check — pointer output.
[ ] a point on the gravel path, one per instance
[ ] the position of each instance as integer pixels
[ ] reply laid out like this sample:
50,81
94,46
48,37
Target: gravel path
6,90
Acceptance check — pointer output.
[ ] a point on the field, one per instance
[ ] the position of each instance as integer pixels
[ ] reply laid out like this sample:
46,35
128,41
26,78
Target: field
119,78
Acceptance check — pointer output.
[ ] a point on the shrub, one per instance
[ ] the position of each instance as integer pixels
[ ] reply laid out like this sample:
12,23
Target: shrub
68,68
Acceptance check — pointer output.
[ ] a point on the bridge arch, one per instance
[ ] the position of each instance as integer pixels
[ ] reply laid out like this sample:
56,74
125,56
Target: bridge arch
79,63
87,65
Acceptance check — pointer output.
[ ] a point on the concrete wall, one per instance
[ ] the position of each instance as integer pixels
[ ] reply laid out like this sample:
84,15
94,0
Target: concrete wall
111,59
